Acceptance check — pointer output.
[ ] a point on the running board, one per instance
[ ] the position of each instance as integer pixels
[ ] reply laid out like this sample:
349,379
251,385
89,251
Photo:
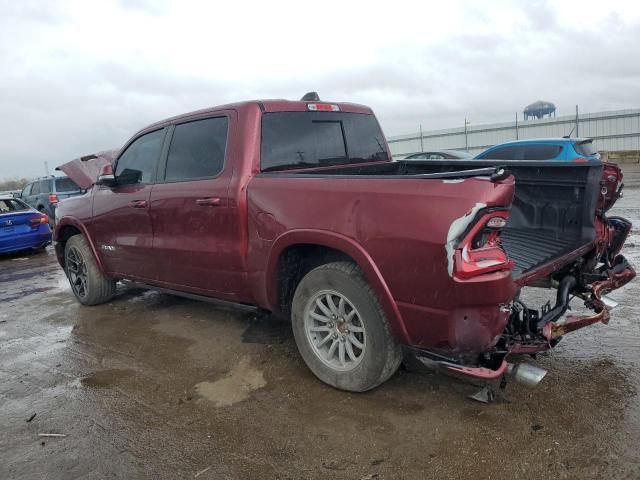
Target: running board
193,296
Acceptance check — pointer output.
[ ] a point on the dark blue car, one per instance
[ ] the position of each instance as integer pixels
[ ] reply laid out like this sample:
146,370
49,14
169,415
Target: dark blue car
21,226
555,149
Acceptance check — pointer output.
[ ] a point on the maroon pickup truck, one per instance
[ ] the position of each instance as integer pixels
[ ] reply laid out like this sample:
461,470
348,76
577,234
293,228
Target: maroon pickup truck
297,208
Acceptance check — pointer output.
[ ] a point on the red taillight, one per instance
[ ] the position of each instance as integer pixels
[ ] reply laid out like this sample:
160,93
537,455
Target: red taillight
53,198
40,220
580,159
480,251
322,107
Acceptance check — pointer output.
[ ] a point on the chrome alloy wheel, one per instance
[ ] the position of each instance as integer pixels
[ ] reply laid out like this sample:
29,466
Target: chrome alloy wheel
335,330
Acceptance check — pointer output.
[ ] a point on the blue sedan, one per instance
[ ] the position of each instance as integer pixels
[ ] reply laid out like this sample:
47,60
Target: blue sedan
22,227
554,149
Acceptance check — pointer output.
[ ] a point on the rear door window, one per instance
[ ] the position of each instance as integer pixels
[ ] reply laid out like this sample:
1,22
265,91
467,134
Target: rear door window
139,161
541,152
313,139
64,185
511,152
35,188
197,149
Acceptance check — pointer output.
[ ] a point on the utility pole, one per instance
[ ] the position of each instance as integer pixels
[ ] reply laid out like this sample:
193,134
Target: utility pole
517,126
46,168
421,143
466,138
577,124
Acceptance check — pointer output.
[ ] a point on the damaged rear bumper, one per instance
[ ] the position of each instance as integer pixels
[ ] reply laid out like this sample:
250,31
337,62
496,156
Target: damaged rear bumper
619,275
543,329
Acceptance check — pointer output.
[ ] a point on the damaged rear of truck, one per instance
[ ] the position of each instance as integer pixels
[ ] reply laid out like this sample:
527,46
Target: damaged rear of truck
554,234
457,241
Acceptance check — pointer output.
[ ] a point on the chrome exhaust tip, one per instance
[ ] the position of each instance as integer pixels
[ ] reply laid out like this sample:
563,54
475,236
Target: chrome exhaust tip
526,374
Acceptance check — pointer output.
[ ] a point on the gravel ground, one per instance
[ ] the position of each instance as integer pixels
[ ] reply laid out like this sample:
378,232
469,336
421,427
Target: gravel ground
155,386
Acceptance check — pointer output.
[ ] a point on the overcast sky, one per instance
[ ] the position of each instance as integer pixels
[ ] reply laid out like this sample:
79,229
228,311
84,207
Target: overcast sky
77,77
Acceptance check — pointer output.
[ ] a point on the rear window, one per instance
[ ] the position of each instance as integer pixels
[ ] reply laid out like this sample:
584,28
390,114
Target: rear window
541,152
12,205
585,148
66,185
312,139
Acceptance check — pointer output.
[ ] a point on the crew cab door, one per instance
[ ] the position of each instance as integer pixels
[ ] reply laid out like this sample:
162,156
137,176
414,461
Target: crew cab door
121,226
196,243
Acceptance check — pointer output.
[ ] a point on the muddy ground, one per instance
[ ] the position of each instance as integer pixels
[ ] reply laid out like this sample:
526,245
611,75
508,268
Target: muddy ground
155,386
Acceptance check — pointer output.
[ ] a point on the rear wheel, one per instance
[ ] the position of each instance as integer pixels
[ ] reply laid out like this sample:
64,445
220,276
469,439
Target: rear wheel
341,330
89,284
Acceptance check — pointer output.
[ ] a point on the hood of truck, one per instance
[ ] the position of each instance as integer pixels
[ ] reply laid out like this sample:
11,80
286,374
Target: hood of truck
85,170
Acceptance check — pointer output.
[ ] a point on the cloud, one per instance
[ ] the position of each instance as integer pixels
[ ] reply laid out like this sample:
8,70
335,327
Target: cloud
80,77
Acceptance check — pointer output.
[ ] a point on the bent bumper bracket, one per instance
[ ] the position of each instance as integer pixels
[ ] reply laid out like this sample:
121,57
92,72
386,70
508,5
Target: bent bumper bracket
620,275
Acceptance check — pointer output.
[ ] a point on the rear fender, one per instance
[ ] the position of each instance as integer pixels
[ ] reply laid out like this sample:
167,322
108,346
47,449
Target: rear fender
347,246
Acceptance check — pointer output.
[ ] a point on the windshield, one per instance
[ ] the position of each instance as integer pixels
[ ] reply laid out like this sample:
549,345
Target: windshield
313,139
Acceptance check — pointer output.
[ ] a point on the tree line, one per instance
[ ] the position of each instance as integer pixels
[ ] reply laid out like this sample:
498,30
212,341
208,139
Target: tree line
13,184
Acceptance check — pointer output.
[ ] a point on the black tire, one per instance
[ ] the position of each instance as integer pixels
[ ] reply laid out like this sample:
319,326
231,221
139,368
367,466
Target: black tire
382,354
95,287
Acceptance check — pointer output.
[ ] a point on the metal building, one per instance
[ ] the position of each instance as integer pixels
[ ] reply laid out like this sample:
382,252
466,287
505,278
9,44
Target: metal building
612,131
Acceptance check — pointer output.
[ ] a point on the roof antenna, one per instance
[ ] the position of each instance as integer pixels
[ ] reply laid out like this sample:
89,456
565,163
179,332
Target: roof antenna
570,133
310,97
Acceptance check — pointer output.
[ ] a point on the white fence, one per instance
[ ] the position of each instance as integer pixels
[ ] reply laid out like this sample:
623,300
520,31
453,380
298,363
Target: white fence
612,131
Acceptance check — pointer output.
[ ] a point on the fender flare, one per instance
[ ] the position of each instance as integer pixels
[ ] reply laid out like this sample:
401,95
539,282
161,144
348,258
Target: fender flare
74,222
347,246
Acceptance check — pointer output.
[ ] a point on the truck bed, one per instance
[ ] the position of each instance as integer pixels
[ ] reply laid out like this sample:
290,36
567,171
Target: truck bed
552,212
518,243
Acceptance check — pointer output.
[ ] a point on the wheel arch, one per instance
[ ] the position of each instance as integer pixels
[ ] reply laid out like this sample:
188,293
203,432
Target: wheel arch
66,228
297,252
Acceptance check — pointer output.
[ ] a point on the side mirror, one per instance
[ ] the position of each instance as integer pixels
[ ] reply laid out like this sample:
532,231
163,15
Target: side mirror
106,176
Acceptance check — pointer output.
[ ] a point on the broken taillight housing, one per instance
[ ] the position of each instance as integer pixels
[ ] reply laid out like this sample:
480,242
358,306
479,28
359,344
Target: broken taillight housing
480,250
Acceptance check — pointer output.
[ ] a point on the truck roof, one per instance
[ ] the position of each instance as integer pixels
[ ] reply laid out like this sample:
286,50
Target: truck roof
275,105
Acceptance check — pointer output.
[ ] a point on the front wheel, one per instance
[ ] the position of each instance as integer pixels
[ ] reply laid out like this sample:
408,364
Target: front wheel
89,284
341,330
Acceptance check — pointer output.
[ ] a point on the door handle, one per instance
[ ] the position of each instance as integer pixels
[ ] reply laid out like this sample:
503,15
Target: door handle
209,202
138,204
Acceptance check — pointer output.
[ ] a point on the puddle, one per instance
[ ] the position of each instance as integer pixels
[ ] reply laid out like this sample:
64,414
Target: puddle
235,387
105,378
